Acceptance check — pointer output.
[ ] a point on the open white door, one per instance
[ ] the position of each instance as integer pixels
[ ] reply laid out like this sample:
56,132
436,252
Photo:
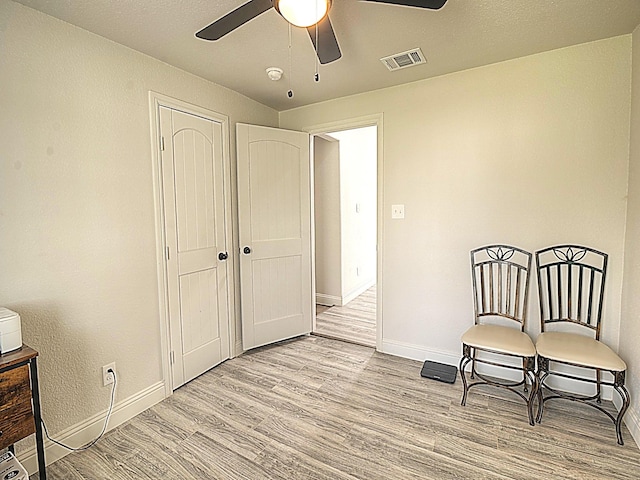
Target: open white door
274,210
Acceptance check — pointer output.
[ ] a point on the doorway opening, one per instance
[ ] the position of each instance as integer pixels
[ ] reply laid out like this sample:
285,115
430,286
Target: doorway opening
345,211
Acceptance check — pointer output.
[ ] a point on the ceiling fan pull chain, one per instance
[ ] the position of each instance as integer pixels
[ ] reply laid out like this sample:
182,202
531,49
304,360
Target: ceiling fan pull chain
316,77
290,92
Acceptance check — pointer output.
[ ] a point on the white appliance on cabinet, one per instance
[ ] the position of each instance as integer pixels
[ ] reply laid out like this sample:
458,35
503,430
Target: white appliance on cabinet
10,331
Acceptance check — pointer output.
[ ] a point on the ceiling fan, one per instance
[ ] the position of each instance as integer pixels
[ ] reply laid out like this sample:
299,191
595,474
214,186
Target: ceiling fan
311,14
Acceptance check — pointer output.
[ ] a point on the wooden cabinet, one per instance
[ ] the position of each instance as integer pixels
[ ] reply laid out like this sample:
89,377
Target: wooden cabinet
20,401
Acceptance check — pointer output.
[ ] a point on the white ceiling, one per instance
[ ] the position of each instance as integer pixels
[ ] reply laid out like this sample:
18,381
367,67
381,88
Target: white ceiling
463,34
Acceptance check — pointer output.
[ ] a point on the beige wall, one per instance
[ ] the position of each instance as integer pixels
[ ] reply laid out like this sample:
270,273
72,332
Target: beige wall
630,320
531,152
327,220
77,231
358,179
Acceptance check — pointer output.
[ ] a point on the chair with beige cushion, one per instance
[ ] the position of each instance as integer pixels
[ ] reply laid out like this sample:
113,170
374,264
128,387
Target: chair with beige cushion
500,279
571,282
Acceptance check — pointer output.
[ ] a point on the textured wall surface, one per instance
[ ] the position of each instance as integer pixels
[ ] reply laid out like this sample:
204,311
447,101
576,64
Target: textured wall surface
532,152
77,228
630,322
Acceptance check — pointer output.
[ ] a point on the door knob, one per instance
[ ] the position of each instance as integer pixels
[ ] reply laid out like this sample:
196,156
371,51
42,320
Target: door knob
223,256
246,250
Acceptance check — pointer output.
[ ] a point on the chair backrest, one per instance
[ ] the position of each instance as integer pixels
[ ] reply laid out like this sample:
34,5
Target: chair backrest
500,276
571,285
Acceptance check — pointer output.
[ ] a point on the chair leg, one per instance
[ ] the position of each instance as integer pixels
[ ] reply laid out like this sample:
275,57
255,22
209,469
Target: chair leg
626,400
464,361
598,387
526,389
542,372
473,365
532,396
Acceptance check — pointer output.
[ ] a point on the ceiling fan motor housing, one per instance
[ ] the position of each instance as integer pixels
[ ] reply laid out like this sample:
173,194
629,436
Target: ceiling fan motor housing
316,21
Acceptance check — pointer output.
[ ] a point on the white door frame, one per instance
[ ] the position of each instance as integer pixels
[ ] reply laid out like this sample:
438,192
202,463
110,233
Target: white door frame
349,124
156,100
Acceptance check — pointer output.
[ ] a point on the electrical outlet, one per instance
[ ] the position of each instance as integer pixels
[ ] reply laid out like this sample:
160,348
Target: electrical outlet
107,376
397,211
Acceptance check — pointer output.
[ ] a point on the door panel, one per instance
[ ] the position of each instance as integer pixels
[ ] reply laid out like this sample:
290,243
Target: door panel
274,183
198,306
274,221
195,184
191,261
194,228
284,302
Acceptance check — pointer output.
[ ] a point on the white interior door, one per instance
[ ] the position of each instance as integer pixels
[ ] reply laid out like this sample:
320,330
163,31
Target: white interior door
192,172
274,210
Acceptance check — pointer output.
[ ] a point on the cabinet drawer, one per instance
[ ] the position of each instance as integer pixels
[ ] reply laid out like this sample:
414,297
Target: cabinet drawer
16,415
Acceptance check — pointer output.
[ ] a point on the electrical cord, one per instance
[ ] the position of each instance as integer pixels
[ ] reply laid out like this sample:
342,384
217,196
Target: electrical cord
104,428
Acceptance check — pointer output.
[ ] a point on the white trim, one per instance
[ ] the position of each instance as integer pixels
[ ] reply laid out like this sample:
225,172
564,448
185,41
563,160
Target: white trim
238,350
312,229
632,420
85,431
230,244
357,292
165,344
156,100
416,352
376,120
419,353
328,300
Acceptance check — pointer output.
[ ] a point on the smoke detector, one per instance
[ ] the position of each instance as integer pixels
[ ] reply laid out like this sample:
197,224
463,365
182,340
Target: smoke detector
404,59
274,73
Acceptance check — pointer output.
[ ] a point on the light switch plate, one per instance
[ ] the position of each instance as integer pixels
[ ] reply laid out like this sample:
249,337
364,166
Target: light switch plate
397,211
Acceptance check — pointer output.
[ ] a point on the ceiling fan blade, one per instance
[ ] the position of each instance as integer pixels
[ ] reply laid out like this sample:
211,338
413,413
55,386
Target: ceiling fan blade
431,4
327,48
234,19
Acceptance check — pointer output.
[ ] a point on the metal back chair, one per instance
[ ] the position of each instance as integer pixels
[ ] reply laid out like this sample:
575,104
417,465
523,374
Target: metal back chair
500,278
571,281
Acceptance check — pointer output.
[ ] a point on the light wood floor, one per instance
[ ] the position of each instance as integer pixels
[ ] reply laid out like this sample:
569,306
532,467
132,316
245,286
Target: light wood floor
315,408
354,322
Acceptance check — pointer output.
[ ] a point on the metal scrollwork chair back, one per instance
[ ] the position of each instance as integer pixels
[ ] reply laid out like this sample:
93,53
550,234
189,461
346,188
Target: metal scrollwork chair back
571,281
500,280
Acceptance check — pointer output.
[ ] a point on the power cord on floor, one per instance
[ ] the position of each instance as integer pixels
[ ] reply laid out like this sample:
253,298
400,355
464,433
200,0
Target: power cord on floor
104,428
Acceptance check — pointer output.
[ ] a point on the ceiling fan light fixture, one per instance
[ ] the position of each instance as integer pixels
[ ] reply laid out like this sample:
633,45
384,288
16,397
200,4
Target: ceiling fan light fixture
302,13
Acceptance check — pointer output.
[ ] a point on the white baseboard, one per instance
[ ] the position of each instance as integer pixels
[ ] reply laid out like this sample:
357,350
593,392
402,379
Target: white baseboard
334,301
357,292
83,432
328,300
416,352
632,420
419,353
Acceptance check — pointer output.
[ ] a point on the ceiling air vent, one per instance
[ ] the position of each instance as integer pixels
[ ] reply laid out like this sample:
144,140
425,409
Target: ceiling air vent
404,59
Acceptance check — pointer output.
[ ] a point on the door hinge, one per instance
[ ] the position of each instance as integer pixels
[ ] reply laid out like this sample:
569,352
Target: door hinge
162,143
172,357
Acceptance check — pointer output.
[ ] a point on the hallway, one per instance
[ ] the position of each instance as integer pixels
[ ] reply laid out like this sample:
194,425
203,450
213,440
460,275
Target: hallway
354,322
